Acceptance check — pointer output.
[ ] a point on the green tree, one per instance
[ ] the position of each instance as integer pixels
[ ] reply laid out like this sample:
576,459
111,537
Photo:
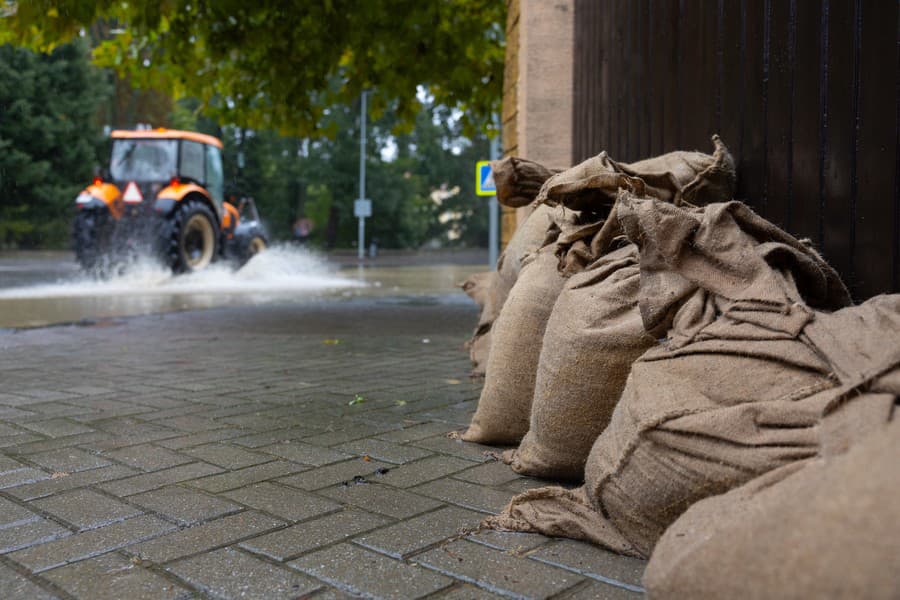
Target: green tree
281,64
49,140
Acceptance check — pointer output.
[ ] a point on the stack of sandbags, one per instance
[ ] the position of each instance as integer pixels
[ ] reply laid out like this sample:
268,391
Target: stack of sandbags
826,527
518,181
584,196
737,388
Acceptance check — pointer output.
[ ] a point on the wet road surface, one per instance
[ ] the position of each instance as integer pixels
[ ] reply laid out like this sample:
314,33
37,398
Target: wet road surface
39,289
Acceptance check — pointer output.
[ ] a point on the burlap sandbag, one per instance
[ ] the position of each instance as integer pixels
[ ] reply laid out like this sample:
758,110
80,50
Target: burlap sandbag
505,404
503,410
593,335
528,237
519,180
734,392
829,530
477,286
828,527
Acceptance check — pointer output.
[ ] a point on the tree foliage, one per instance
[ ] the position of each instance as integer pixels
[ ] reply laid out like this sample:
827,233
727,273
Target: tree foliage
48,140
280,64
318,178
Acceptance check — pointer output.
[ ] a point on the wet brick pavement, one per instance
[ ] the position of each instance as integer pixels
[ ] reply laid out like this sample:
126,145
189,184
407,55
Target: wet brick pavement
264,452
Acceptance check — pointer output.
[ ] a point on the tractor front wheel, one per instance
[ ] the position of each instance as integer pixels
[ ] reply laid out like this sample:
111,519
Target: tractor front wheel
191,237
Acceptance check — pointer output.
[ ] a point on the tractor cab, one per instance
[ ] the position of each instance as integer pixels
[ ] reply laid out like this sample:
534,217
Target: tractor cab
153,164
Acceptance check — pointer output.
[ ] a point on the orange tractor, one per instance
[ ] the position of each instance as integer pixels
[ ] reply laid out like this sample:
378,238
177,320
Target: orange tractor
164,193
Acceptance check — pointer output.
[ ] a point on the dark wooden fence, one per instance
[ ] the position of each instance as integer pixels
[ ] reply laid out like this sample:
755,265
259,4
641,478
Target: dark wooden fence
804,93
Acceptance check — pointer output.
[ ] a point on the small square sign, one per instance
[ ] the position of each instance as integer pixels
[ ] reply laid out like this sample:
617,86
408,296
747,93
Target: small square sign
484,179
362,208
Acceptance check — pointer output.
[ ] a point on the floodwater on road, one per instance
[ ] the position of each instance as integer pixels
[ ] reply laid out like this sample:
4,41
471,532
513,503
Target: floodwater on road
38,289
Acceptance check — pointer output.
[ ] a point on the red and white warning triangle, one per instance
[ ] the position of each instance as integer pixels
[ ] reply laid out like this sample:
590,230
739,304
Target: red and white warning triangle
132,193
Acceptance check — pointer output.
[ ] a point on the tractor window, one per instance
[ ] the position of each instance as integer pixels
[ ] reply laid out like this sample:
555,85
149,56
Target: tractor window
215,180
143,160
192,161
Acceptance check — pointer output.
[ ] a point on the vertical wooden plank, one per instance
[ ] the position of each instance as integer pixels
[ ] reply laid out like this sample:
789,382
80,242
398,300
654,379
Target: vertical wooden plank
753,158
646,50
673,88
805,102
631,114
877,148
896,242
779,121
622,82
660,39
732,76
578,91
839,130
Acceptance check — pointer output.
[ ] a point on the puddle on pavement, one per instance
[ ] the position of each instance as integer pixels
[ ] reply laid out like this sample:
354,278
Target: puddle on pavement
281,274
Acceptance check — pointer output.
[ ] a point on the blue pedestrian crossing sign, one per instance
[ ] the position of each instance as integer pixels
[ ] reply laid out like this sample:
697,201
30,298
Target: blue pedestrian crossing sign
484,179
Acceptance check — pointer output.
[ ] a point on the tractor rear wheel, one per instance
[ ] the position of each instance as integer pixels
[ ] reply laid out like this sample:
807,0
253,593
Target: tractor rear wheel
190,236
90,238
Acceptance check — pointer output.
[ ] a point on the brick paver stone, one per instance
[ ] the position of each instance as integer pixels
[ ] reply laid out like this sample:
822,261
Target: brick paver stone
592,590
29,533
306,454
591,560
211,534
467,495
90,543
418,533
498,571
184,505
382,450
86,509
49,486
382,499
230,573
329,475
156,479
421,471
227,456
147,457
13,514
241,477
364,572
287,543
285,502
113,577
16,587
68,460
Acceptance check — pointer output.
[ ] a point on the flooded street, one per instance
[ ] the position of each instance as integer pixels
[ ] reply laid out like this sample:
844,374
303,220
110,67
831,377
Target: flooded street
38,289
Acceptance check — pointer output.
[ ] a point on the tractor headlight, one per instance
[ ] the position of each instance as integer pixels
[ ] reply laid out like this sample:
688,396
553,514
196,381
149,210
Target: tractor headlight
84,198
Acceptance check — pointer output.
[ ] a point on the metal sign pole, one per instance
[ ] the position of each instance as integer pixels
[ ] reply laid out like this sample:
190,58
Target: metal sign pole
361,237
494,212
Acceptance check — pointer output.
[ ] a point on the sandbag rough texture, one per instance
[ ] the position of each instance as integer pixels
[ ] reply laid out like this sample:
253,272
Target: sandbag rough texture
504,408
530,236
477,286
593,335
826,527
519,180
736,390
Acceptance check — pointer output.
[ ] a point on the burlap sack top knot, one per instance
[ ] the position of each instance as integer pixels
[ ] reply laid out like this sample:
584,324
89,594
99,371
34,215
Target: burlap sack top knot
593,188
675,177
